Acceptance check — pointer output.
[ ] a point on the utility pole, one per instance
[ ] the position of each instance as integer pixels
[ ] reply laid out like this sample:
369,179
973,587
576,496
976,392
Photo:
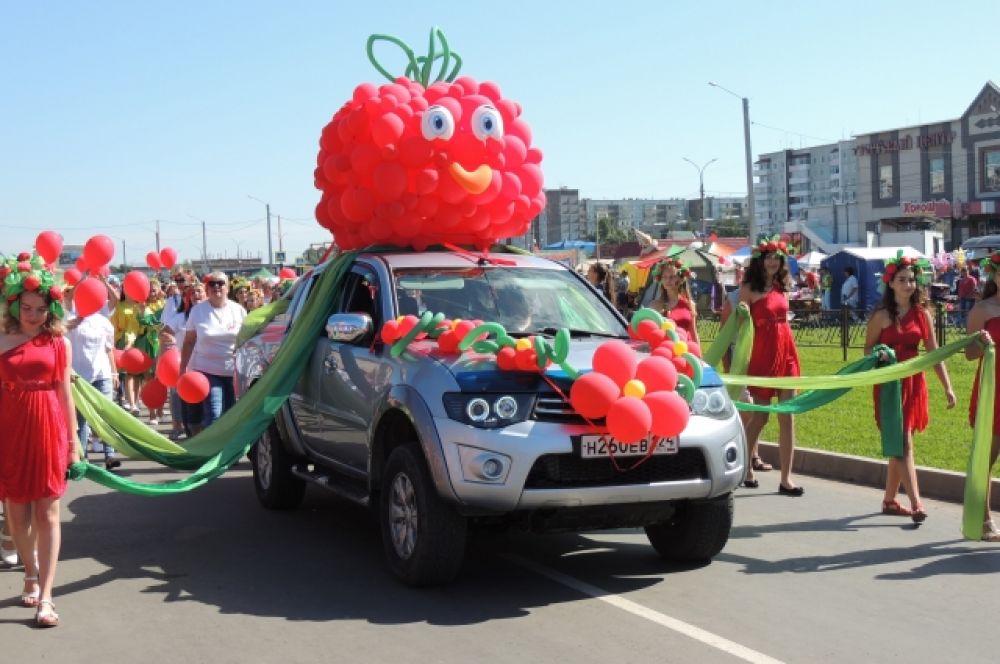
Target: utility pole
124,260
204,248
701,190
751,206
270,254
157,236
281,245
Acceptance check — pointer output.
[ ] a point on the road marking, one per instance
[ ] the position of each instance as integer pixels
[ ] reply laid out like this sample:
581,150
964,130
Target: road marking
679,626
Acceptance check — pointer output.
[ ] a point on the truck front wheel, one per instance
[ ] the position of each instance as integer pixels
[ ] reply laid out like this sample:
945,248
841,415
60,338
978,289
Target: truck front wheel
423,536
277,488
698,530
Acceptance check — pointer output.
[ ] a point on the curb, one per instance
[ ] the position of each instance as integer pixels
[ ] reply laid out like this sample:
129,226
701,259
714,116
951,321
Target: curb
934,483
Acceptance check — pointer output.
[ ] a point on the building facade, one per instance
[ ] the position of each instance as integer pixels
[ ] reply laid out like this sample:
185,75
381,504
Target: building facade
942,176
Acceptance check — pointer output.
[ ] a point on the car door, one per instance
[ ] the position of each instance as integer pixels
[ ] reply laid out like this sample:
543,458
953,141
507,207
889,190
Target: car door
302,400
352,377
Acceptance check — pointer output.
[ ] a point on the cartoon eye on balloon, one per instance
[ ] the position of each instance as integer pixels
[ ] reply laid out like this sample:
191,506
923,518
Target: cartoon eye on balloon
487,123
437,123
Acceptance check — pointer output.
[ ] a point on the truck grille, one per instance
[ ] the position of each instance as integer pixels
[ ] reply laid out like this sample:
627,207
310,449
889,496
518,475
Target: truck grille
567,471
550,407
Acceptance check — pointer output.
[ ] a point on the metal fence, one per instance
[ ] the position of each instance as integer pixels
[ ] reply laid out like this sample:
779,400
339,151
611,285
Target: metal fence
839,328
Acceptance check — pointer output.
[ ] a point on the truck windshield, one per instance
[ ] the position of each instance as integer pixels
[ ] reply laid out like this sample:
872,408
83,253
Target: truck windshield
523,300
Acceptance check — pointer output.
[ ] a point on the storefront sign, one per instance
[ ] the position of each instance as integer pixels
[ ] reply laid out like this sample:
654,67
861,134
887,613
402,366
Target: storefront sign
941,209
906,143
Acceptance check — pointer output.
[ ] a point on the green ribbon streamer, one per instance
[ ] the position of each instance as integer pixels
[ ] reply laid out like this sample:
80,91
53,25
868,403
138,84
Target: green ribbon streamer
258,318
230,438
977,474
737,332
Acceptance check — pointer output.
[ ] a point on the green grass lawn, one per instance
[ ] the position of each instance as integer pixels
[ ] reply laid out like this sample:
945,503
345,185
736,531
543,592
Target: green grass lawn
848,424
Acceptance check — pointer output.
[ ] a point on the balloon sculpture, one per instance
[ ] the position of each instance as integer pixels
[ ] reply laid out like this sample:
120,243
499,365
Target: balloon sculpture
415,162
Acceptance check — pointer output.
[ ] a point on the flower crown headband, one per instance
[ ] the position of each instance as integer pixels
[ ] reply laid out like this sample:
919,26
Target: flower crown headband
921,268
772,245
28,273
683,269
991,263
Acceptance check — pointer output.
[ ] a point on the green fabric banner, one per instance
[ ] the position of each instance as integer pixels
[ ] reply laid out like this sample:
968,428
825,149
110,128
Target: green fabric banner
738,333
219,446
977,474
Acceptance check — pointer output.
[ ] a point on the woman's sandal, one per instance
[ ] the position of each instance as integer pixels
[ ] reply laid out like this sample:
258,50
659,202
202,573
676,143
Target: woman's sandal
29,599
759,465
893,508
990,532
751,484
45,615
8,554
918,515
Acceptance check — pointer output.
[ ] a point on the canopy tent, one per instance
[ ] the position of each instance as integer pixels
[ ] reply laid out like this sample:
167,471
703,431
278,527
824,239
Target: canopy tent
811,260
262,273
702,263
867,263
588,247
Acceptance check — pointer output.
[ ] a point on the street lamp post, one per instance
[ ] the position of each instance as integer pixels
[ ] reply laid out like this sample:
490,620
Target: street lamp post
701,189
267,207
751,207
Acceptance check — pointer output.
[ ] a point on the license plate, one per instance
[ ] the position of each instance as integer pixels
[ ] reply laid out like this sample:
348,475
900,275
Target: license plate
597,447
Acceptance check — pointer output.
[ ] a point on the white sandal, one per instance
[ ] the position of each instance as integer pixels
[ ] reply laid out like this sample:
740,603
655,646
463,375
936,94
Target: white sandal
29,599
45,615
8,554
990,532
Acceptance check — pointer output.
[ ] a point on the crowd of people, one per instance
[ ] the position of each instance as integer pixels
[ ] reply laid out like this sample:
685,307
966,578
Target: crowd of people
43,344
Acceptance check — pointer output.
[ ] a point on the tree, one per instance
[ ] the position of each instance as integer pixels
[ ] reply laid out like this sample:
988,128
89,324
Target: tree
610,232
731,227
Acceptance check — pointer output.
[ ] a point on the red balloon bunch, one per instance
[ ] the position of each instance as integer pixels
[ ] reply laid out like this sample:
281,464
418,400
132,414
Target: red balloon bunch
394,330
521,357
637,398
411,166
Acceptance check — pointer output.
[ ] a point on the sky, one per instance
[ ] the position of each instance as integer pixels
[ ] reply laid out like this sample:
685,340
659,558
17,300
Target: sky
116,115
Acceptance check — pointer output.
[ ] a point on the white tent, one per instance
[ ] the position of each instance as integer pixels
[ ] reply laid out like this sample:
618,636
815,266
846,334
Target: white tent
812,260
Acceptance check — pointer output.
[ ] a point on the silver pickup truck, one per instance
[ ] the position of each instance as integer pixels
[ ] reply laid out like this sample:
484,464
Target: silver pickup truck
443,442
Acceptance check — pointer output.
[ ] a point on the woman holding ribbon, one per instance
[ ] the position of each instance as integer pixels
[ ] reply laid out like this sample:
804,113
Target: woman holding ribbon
765,290
984,319
40,439
902,322
674,297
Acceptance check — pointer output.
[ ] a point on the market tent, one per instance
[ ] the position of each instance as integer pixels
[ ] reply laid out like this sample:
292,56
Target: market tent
703,264
262,273
588,247
811,260
868,262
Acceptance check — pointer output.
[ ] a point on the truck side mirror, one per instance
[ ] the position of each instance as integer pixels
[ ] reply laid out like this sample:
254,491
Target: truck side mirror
348,328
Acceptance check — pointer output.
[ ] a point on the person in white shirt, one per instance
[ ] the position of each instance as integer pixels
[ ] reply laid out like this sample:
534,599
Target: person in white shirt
93,341
209,342
849,292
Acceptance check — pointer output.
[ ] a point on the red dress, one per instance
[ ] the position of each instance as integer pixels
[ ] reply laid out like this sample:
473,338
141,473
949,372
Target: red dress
681,314
34,452
993,327
774,354
904,340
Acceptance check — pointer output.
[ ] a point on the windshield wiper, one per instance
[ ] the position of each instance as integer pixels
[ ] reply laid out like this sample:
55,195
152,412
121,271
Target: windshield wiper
577,333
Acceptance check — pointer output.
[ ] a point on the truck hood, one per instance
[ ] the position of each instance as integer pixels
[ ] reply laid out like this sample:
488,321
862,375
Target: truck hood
479,373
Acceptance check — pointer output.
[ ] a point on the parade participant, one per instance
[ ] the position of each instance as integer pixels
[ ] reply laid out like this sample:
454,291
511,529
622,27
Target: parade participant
255,299
39,440
622,285
984,319
674,297
597,276
902,321
765,290
209,342
133,327
174,328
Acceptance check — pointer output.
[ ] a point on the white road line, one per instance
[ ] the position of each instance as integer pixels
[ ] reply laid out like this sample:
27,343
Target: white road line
679,626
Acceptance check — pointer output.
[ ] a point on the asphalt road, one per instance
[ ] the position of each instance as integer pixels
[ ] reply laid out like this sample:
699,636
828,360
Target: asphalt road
208,576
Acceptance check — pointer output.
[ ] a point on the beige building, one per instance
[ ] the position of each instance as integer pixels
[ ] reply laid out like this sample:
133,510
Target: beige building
939,176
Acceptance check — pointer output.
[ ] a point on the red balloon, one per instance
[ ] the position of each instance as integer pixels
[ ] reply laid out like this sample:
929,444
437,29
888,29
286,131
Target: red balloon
657,373
98,251
629,420
153,394
153,261
592,395
526,360
136,285
617,360
168,258
89,297
670,413
193,387
287,273
118,358
664,351
72,276
694,348
49,245
81,264
168,367
134,361
390,332
448,342
646,329
507,359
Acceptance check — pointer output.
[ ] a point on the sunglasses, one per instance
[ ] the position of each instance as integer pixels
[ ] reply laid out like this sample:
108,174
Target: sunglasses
216,284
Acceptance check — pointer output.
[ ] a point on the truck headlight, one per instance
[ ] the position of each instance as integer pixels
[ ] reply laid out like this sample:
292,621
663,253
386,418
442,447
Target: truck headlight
488,411
712,402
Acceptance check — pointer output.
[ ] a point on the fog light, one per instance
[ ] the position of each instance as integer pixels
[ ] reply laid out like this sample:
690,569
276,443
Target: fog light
730,455
492,468
505,407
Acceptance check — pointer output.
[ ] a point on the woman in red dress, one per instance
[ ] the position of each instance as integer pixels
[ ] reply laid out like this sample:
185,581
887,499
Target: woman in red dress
984,319
902,322
674,298
39,420
765,290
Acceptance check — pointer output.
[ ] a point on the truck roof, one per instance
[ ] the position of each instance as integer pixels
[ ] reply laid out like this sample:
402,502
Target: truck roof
453,259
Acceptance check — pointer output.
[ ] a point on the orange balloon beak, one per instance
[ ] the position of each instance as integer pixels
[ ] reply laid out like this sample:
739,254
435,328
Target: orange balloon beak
475,182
